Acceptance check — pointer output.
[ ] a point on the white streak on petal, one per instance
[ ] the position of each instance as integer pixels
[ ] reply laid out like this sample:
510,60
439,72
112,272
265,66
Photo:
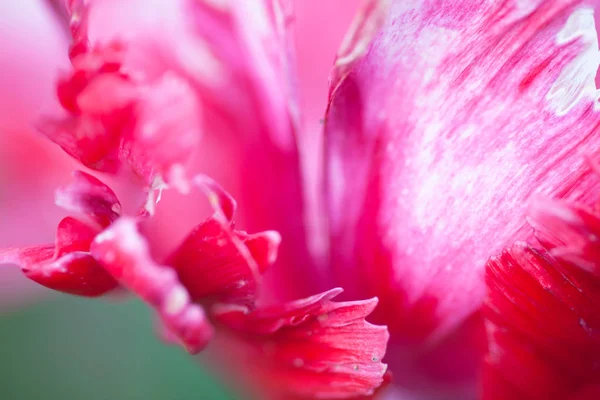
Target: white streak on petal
577,79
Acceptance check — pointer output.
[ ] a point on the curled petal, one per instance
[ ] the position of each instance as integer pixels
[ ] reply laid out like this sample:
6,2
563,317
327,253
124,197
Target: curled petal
210,265
222,202
66,266
365,26
438,137
570,232
75,273
73,235
87,195
543,328
125,255
313,348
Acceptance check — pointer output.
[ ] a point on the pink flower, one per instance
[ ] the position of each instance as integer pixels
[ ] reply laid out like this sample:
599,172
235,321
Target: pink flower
137,104
444,121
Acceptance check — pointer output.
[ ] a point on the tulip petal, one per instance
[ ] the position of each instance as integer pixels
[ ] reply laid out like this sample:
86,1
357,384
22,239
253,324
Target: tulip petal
124,105
570,232
543,328
313,347
66,266
89,196
210,265
438,137
124,253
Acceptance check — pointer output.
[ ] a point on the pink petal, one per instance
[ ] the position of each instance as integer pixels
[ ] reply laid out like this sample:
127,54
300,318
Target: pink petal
89,196
543,328
438,137
210,265
125,255
312,347
124,104
166,132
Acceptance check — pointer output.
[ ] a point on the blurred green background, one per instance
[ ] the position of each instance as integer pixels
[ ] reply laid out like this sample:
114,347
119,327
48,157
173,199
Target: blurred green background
68,348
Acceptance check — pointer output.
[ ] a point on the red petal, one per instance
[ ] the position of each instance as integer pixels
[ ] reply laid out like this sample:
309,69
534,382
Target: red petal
438,137
125,255
73,235
67,266
571,232
209,262
313,347
74,273
87,195
543,328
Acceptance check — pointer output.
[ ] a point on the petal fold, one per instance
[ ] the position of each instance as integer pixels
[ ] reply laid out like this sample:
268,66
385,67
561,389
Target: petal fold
313,347
89,196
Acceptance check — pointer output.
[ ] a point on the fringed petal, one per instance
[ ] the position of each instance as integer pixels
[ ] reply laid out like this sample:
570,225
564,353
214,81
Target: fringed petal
570,232
543,328
311,348
125,255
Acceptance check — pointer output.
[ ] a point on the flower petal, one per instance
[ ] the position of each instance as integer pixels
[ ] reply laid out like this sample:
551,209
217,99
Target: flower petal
210,265
543,328
125,255
124,104
438,137
313,348
89,196
66,266
166,132
570,232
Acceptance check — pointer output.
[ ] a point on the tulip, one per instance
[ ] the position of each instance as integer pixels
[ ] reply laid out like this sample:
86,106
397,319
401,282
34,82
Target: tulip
446,125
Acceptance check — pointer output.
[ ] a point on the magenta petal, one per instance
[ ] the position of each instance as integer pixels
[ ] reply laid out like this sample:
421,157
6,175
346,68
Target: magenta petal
211,266
125,255
313,348
438,137
88,196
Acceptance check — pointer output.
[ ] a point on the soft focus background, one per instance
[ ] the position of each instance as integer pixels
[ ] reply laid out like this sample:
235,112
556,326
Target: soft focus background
75,349
65,348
